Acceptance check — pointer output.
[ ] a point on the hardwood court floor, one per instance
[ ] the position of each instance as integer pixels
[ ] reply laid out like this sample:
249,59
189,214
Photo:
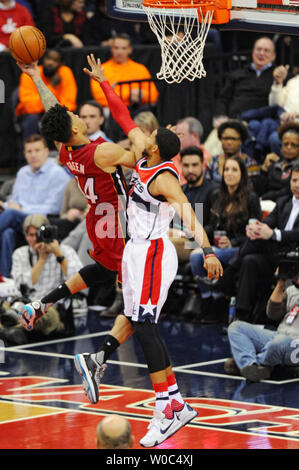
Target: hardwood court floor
42,405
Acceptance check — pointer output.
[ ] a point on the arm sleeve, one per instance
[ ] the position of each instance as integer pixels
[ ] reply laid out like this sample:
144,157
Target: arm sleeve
119,111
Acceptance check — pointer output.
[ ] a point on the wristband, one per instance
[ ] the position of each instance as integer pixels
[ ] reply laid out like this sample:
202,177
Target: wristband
208,251
60,259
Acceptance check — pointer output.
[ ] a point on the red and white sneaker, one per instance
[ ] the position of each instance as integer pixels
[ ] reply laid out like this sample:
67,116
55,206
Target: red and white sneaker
160,428
184,412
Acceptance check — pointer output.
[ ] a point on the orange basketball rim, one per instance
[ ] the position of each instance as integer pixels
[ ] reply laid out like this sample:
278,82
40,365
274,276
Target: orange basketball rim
221,8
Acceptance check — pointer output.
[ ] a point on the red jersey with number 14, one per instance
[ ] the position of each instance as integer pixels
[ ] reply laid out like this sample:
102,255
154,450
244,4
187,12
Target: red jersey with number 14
106,194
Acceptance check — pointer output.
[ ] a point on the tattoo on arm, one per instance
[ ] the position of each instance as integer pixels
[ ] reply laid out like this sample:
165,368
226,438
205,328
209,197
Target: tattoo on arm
47,98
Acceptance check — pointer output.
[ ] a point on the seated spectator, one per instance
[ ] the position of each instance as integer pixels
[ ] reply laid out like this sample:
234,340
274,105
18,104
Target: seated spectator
59,79
12,16
190,132
38,188
92,114
39,265
249,87
121,68
232,134
114,432
63,24
229,215
245,88
274,178
258,258
256,351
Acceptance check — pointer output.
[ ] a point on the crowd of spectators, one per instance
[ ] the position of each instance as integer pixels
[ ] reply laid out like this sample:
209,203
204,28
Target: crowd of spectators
249,158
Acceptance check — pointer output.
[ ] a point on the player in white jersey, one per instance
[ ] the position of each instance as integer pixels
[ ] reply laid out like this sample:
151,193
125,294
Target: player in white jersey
149,263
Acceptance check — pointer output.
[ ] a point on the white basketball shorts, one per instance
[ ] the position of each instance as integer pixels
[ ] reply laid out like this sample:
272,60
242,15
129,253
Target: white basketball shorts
148,270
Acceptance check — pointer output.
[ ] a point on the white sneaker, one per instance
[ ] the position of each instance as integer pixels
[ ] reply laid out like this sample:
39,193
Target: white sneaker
185,415
159,429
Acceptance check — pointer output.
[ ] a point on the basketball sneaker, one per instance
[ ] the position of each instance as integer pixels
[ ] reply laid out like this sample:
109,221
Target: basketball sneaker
184,412
31,313
92,372
159,429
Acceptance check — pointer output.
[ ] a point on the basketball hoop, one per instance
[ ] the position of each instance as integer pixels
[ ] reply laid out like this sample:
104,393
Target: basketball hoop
181,27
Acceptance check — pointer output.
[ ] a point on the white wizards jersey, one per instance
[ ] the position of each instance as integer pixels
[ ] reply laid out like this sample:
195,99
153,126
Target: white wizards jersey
148,216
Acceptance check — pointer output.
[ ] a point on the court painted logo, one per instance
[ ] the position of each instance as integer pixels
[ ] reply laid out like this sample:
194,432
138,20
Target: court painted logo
42,412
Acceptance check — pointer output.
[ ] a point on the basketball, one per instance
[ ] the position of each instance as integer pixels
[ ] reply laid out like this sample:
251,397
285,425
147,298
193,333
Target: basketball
27,44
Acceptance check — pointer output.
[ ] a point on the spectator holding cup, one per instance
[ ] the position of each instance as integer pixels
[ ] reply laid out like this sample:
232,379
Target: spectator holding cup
234,206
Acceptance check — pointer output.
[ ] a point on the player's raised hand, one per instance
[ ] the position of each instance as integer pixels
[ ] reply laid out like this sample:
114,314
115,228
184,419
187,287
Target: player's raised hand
30,69
96,70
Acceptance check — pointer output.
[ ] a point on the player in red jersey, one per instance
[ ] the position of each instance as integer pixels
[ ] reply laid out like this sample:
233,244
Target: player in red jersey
96,168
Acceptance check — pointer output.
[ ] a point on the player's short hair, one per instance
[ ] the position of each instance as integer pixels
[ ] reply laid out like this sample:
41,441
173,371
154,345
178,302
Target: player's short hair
238,126
168,142
56,124
192,150
35,138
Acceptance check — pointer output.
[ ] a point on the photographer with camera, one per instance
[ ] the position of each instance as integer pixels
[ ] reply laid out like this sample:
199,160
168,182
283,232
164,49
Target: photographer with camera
39,266
257,350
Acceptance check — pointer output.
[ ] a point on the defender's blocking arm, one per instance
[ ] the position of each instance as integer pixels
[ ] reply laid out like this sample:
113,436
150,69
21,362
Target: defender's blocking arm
118,110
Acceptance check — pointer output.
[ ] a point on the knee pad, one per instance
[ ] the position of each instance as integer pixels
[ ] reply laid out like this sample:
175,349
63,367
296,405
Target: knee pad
95,273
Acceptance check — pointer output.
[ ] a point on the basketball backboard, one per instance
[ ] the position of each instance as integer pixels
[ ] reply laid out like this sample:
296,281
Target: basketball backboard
280,16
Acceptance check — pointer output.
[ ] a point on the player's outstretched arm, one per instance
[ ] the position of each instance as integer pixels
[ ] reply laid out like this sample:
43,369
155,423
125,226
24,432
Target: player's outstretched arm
168,186
47,98
118,109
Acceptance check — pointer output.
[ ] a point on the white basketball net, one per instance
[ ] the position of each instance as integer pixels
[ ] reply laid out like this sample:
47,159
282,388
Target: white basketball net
182,39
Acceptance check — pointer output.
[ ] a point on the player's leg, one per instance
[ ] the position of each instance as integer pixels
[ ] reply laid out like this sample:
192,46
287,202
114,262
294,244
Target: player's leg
92,366
164,422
